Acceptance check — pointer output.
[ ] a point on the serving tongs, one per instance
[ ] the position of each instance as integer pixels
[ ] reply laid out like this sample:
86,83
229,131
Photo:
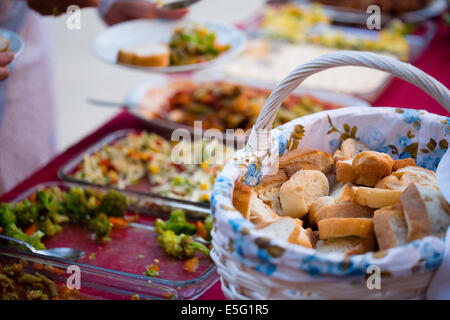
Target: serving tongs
63,253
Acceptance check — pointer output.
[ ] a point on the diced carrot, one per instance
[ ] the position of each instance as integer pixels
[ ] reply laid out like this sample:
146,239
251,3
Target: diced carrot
30,230
38,266
191,265
132,218
201,229
1,230
118,222
33,198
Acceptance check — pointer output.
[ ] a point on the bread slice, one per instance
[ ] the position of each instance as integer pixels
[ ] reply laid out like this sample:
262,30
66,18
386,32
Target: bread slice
343,210
318,158
402,178
154,55
4,44
426,211
346,245
401,163
349,149
317,205
301,190
345,172
246,201
371,166
288,229
344,227
297,166
342,192
375,198
390,227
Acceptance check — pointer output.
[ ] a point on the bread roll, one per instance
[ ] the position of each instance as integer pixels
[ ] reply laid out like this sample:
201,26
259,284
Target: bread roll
402,178
301,190
401,163
154,55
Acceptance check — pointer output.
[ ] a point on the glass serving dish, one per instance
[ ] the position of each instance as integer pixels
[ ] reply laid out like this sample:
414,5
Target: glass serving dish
116,269
142,187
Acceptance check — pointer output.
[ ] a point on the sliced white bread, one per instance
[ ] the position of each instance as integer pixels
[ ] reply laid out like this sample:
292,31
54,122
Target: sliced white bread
345,172
375,198
317,205
344,227
246,201
346,245
301,190
268,189
390,227
343,210
342,192
426,211
151,55
403,177
349,149
288,229
317,158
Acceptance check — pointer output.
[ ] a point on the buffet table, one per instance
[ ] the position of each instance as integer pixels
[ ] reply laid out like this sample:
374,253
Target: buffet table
435,61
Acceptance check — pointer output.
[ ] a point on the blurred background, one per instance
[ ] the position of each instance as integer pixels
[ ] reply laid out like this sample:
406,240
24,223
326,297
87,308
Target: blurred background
79,74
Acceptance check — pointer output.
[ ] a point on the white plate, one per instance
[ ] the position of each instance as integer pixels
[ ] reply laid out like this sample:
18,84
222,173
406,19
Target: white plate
107,45
15,41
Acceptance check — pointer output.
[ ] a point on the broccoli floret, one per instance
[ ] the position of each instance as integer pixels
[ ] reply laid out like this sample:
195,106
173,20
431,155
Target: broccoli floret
11,230
6,215
101,226
48,227
177,223
113,204
26,213
50,201
77,205
208,227
180,246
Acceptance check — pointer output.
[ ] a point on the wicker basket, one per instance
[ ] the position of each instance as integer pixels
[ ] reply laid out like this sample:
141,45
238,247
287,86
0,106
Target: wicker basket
251,266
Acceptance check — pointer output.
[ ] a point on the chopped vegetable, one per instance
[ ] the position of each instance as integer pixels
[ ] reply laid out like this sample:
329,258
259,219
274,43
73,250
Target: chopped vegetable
177,223
191,265
180,246
101,227
152,270
113,204
118,222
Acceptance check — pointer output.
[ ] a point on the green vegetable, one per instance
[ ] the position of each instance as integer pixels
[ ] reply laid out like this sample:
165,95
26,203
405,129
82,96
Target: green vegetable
52,202
11,230
26,213
180,246
208,227
113,204
177,223
77,205
6,215
101,227
48,227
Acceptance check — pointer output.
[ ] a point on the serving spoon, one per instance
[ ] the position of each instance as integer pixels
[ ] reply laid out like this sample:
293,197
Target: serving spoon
63,253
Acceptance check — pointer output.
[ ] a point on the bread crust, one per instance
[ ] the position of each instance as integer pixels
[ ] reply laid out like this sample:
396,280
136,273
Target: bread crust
384,220
415,213
343,210
401,163
375,198
371,166
316,157
344,227
345,171
242,197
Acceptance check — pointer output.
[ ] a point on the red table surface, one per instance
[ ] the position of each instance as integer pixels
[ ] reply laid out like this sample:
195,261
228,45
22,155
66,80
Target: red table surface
435,61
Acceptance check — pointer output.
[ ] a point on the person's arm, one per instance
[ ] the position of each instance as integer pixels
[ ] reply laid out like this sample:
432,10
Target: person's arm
116,11
5,59
56,7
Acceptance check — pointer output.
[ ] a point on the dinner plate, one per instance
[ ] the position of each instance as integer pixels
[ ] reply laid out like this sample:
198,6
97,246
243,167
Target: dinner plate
138,32
15,41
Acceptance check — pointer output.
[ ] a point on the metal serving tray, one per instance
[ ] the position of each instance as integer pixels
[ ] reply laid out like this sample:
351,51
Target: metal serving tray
117,271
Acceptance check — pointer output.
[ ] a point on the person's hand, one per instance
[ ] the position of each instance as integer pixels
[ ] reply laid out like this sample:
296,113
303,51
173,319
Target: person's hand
5,59
57,7
129,10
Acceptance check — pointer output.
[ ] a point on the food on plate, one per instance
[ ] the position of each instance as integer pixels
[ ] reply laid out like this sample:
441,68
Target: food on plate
147,156
18,284
4,44
386,6
187,45
194,44
291,22
384,204
223,105
43,214
151,55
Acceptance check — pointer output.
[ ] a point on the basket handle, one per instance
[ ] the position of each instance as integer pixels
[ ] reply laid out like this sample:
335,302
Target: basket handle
402,70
